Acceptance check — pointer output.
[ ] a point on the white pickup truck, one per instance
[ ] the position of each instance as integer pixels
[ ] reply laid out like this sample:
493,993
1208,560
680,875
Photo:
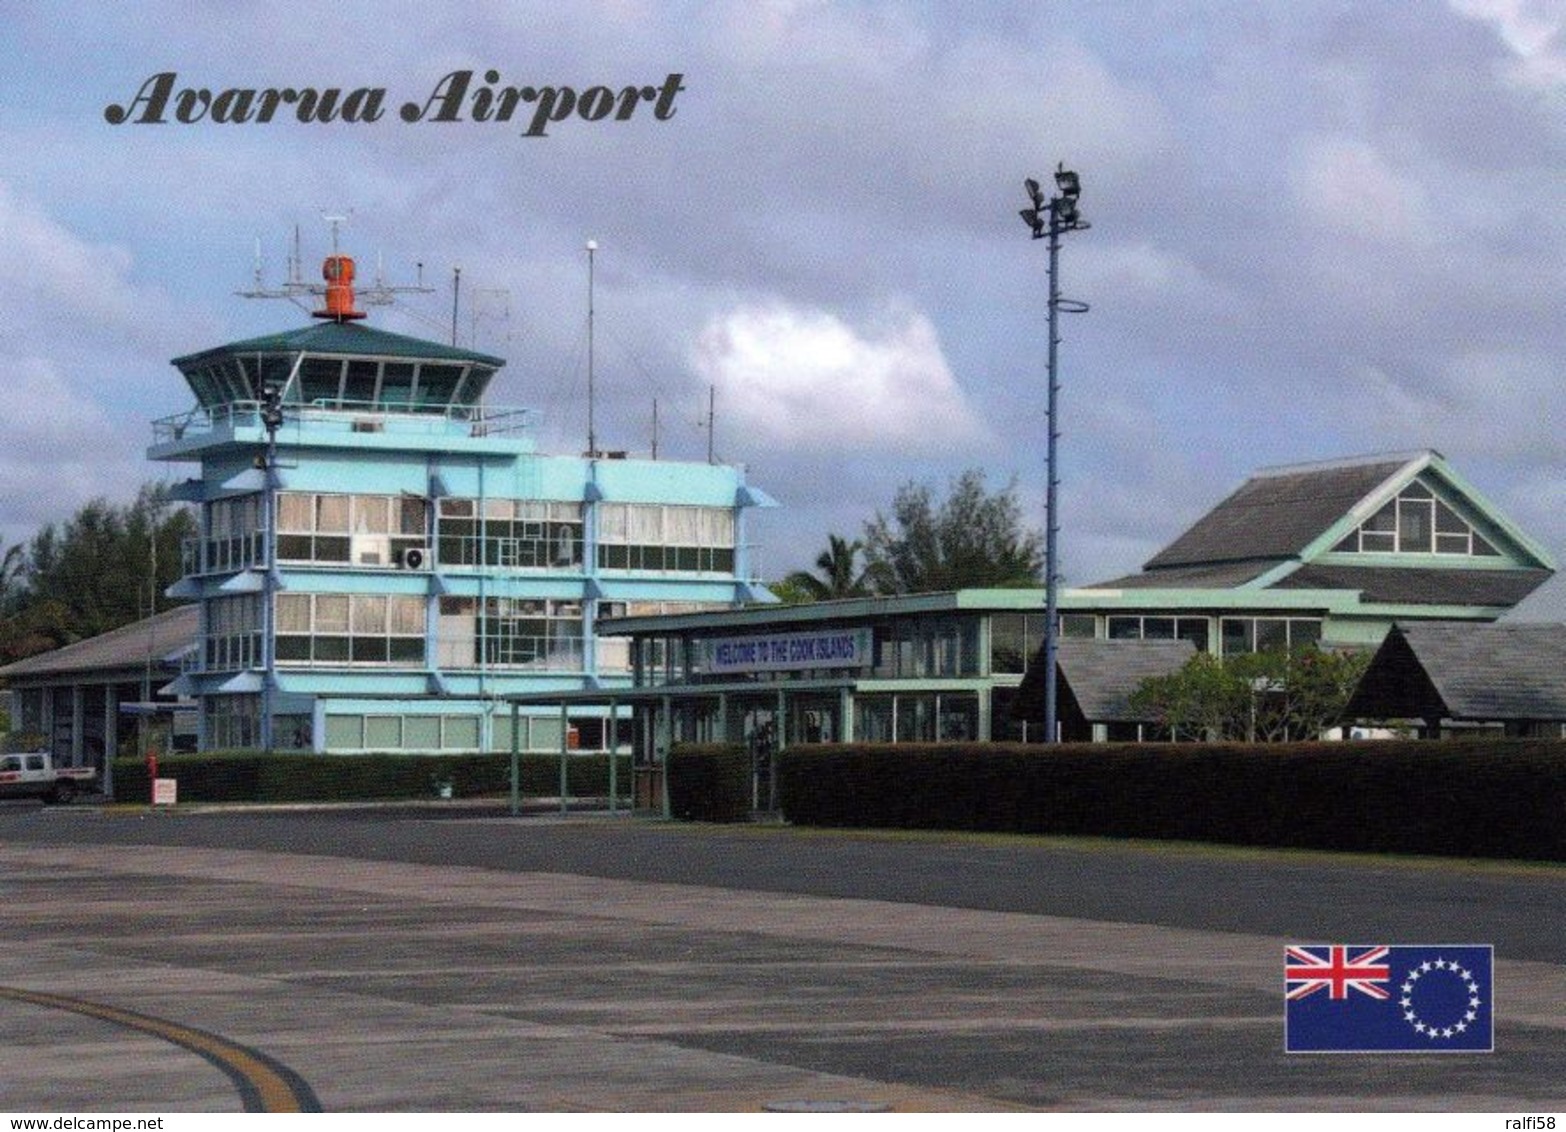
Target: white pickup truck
32,774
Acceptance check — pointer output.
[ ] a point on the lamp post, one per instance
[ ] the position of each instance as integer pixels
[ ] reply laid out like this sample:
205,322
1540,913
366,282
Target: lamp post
271,420
1048,219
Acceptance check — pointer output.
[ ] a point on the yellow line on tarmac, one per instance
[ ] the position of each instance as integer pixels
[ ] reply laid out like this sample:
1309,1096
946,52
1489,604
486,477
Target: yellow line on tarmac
264,1085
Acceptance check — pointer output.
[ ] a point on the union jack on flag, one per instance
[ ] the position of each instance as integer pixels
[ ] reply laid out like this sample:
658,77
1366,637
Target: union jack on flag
1336,971
1341,998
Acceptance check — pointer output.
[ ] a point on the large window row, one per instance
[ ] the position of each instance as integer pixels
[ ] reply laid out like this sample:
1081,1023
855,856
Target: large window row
368,383
1136,628
357,530
1416,522
350,629
510,633
1015,638
232,640
522,533
663,538
232,537
1268,634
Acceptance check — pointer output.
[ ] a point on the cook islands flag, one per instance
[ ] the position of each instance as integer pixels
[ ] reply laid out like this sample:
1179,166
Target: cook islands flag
1348,998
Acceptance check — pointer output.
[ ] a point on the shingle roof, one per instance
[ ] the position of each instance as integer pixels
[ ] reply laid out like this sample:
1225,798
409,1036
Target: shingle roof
343,338
1100,676
1219,576
1276,515
1467,672
129,646
1405,585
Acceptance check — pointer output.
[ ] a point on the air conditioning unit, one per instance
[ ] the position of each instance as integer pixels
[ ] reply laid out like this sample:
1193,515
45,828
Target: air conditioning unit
371,550
415,557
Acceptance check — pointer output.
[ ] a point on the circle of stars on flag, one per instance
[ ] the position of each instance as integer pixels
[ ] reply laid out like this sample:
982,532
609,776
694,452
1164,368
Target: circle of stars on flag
1454,970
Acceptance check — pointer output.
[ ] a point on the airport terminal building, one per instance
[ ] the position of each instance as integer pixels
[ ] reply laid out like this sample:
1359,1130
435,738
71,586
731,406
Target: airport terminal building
384,555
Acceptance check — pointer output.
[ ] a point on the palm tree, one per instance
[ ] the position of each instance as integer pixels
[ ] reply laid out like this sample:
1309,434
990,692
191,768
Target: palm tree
840,575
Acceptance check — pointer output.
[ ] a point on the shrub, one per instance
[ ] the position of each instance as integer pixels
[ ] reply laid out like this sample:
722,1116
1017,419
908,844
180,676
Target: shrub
710,782
250,776
1479,797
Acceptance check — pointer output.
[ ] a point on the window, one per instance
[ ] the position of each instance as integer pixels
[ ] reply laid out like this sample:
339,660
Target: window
510,533
232,639
510,633
349,530
1263,634
1128,627
333,629
1416,522
654,537
233,534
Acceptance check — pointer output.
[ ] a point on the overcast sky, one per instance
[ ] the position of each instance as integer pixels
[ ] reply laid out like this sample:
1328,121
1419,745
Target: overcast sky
1318,230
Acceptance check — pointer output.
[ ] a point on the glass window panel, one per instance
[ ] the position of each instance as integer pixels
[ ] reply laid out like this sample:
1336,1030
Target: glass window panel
1482,546
1349,545
331,648
1448,521
1303,633
461,733
1238,635
369,613
371,514
1417,490
1193,629
344,732
1414,522
456,508
437,384
1383,520
422,732
1125,628
1373,541
359,389
295,548
331,513
1452,544
331,613
321,380
1158,629
682,526
294,511
1271,634
499,508
383,732
293,613
407,615
397,384
412,515
1079,626
645,523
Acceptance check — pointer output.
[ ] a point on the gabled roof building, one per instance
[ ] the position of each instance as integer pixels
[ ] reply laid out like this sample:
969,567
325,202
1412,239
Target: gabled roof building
1332,552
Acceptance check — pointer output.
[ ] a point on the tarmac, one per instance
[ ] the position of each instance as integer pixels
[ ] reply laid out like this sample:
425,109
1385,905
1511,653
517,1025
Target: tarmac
395,986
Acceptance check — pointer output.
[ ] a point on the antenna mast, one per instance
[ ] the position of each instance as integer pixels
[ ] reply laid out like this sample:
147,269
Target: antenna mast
297,290
592,436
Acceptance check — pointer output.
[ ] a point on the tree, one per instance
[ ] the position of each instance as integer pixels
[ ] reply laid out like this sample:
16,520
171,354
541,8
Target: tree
972,539
840,575
104,567
1268,697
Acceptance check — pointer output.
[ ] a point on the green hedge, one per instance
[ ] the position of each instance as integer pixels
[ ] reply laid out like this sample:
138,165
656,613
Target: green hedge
249,776
709,782
1472,798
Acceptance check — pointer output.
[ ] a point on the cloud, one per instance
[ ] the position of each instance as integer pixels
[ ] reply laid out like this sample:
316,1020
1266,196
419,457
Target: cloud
1346,184
1533,30
804,377
61,450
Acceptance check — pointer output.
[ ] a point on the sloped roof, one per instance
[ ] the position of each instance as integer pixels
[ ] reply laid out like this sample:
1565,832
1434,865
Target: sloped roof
1414,585
129,646
1218,576
1276,515
1497,672
1100,676
329,337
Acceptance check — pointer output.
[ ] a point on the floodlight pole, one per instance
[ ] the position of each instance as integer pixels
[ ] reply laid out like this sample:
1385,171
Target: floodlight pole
1049,219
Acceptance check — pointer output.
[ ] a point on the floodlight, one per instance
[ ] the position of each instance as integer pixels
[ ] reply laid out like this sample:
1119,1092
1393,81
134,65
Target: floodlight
1069,183
1034,192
